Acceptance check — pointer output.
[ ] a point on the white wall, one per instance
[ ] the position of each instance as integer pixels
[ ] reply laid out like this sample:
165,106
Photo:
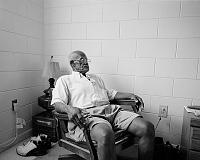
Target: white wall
21,48
148,47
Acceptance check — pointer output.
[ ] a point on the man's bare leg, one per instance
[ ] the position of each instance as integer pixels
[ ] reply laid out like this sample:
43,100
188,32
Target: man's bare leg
104,136
145,131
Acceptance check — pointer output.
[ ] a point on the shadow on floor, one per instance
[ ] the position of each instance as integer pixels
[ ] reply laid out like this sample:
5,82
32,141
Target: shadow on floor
55,151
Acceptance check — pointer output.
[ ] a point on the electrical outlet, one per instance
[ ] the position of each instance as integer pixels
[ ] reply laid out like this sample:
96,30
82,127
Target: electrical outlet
163,111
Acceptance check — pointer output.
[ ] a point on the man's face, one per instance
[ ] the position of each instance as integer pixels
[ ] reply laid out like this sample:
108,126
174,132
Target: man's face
80,64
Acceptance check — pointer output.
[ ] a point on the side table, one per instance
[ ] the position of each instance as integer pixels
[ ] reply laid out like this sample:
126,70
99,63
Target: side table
45,123
190,140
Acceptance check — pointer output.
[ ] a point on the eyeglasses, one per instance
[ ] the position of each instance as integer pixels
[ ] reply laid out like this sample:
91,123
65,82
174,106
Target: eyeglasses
82,61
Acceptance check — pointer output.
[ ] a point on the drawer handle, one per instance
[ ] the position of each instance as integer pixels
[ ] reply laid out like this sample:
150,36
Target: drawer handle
48,123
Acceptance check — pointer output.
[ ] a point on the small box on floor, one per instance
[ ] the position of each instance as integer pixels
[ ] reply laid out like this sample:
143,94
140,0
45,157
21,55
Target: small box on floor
44,123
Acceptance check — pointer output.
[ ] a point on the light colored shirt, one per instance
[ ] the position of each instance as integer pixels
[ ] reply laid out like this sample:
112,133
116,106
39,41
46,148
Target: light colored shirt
86,92
82,92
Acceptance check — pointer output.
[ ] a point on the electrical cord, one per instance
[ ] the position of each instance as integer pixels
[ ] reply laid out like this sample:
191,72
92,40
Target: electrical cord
158,123
8,143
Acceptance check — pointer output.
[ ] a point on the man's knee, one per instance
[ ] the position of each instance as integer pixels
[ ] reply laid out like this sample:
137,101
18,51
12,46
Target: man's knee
141,128
148,129
106,136
103,135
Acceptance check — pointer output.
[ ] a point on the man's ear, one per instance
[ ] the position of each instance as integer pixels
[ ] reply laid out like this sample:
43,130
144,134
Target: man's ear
71,62
72,65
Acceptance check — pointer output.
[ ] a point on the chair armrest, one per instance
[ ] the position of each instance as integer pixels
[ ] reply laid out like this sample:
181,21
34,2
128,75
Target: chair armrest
123,101
64,117
60,116
61,119
61,129
135,105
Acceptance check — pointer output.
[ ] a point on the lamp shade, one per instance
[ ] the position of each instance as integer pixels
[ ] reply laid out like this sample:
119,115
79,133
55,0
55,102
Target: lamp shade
51,70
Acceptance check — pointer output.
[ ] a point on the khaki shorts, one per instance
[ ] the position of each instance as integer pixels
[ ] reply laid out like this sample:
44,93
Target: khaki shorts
120,119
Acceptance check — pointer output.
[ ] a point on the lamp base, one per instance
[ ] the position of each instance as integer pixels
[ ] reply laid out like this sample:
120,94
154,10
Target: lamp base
48,91
44,101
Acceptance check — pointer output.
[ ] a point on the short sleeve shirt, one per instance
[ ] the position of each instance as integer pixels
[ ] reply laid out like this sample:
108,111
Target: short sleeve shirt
82,91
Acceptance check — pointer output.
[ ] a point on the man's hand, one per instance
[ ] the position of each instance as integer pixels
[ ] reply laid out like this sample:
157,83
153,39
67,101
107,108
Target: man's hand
134,97
75,115
123,95
138,99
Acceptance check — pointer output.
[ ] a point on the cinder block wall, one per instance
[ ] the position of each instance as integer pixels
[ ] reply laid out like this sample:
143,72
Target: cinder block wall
149,47
21,48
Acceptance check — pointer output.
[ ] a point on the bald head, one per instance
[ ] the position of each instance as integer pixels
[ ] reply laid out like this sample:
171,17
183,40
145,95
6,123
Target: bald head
75,55
79,62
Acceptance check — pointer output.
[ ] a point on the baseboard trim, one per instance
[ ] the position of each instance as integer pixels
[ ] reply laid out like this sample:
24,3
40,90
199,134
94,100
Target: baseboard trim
20,138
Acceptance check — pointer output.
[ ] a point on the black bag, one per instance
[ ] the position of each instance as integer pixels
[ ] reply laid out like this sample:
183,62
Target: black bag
172,153
166,151
159,148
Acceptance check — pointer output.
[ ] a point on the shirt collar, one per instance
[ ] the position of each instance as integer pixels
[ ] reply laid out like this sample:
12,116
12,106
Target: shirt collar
79,75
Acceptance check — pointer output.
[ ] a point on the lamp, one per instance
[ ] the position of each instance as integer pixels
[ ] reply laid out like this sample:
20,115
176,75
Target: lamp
51,70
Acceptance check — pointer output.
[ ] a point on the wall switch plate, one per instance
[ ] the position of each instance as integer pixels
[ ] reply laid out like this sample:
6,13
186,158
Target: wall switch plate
163,111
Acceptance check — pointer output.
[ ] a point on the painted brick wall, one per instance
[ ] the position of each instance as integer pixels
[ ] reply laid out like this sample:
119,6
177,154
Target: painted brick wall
147,47
21,48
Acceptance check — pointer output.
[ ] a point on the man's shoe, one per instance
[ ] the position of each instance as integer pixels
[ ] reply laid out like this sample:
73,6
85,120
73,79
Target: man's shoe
25,149
31,148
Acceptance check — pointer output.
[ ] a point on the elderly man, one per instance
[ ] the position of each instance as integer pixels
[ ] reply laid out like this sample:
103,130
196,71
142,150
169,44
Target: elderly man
85,99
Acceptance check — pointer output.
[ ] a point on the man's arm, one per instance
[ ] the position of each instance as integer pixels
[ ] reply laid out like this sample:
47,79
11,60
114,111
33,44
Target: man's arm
124,95
60,107
74,113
